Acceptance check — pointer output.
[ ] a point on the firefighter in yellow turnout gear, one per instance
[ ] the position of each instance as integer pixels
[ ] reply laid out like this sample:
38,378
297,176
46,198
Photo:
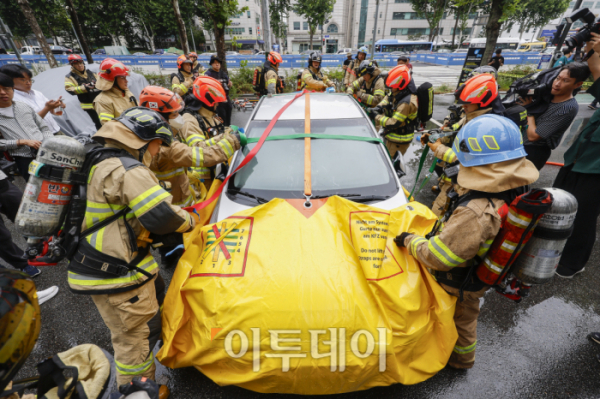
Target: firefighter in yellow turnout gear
115,97
113,263
312,77
397,113
182,80
369,88
492,169
81,82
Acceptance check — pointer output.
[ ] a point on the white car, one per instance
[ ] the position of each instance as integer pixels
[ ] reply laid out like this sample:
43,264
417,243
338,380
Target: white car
30,50
461,50
357,170
345,51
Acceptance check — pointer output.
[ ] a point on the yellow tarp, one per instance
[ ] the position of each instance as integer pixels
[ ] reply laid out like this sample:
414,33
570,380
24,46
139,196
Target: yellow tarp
275,301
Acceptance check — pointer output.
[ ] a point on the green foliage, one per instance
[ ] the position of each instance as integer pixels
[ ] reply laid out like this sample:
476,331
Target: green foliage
50,14
155,79
443,88
279,9
432,11
535,14
241,80
314,11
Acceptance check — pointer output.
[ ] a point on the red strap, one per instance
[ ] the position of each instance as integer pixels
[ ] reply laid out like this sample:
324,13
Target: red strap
248,157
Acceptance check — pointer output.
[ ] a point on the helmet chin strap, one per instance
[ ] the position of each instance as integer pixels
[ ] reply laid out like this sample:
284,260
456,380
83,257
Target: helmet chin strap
142,151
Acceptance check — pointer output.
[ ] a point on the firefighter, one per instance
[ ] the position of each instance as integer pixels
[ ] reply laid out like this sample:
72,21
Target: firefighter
197,68
81,82
397,113
352,69
312,77
114,264
492,167
171,163
115,97
369,88
271,69
478,96
182,80
208,127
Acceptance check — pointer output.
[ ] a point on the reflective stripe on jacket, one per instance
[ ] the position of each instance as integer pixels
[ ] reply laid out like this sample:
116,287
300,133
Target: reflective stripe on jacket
179,87
403,115
112,103
310,83
74,85
373,94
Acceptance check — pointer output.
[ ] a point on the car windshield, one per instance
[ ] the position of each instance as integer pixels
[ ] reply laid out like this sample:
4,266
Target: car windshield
342,167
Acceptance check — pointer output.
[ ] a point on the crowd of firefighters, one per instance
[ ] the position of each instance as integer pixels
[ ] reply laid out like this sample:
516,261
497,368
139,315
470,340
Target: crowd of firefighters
171,141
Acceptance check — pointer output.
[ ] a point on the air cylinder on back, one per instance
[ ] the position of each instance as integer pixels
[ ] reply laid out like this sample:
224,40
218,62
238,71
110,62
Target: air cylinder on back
538,260
48,190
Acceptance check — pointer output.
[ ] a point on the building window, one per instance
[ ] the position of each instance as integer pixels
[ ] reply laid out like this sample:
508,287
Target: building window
409,31
405,15
402,1
332,28
235,31
466,31
296,25
249,31
572,4
473,15
378,31
380,15
597,5
587,4
304,25
240,15
248,13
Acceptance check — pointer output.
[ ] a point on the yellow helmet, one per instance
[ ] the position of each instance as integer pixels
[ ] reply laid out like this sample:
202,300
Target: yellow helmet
19,322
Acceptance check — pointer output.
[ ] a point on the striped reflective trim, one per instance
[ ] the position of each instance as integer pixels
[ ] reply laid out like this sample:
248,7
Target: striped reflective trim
69,84
400,138
187,202
96,212
87,106
491,142
135,369
202,171
210,142
306,75
379,93
148,264
493,266
106,117
355,84
456,126
517,220
399,117
463,350
449,156
414,243
193,138
271,81
446,178
483,248
197,157
384,102
143,202
96,238
383,120
369,100
443,253
413,115
509,246
169,173
227,147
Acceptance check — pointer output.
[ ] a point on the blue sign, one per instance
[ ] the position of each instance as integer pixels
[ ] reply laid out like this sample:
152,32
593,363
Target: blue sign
276,48
551,32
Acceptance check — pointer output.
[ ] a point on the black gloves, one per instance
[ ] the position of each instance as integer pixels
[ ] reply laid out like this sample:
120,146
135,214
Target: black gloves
399,240
375,111
140,384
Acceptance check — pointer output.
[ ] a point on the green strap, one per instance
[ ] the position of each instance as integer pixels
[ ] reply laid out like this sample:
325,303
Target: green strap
431,169
318,136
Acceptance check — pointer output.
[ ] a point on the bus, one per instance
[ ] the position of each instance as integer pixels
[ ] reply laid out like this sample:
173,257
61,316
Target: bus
505,43
391,45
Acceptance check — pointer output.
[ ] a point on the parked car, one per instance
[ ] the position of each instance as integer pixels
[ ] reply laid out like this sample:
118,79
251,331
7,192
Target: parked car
100,51
345,50
140,54
60,50
30,50
399,53
306,52
232,53
443,50
461,50
277,170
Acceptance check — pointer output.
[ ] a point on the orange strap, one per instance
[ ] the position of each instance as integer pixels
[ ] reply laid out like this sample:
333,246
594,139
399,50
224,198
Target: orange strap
307,157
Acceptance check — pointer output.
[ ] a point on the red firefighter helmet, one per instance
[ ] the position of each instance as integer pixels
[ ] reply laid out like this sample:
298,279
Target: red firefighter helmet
275,58
160,99
481,89
209,90
398,77
182,59
192,54
111,68
74,58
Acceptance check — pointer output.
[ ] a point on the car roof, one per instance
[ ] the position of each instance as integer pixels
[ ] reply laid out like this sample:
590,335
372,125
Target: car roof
322,106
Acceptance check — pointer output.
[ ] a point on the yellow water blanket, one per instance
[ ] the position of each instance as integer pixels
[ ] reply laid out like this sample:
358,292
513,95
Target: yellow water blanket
274,299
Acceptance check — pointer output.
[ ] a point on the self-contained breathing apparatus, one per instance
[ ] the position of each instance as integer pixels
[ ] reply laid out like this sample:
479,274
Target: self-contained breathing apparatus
526,251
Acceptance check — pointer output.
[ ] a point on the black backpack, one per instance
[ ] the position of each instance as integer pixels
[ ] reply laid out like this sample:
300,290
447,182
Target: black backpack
425,101
517,114
179,76
258,80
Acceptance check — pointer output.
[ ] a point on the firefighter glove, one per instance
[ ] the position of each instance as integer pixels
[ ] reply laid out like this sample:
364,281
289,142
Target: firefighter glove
140,384
399,240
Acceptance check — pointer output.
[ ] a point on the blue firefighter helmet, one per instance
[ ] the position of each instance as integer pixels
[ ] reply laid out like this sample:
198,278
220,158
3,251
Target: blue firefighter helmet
488,139
363,49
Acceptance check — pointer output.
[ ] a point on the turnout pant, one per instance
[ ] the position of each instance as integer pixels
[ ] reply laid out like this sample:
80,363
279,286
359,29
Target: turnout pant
134,321
465,319
586,189
94,116
10,199
394,147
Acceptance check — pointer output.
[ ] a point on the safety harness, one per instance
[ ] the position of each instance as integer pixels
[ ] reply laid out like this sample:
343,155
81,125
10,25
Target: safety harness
85,99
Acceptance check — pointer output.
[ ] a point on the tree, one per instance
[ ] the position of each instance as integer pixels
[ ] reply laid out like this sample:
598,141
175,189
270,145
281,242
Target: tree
535,14
279,10
82,38
461,14
216,14
37,31
432,11
181,26
315,12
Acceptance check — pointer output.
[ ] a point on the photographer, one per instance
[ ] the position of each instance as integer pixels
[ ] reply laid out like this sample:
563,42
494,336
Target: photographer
582,179
545,131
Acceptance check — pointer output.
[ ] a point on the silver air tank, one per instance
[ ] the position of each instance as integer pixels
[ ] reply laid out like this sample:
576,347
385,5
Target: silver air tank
538,260
45,198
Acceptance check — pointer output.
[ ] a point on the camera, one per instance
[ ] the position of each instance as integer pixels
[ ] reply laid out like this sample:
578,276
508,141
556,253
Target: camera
592,26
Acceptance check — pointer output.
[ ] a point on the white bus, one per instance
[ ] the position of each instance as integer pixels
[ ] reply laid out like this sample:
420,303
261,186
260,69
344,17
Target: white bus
508,43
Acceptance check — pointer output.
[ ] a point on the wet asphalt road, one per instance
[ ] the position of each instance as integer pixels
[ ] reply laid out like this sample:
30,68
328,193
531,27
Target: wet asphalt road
535,349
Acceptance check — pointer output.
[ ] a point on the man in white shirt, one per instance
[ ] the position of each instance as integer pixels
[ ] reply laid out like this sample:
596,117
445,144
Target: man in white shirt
22,78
